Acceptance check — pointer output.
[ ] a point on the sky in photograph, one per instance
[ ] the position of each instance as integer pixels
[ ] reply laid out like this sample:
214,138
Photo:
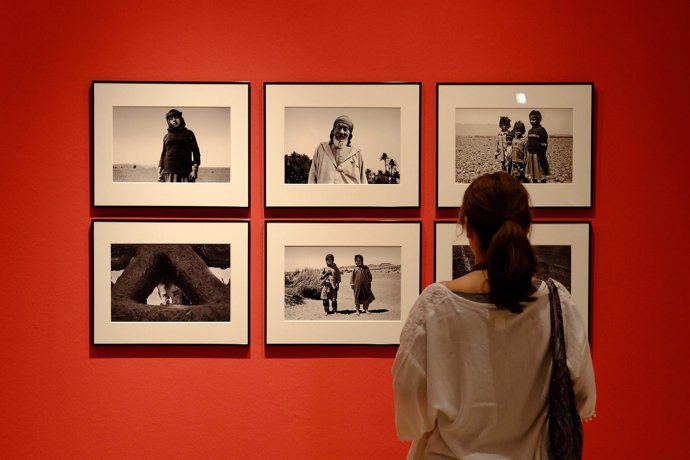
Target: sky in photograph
484,122
138,134
376,130
315,256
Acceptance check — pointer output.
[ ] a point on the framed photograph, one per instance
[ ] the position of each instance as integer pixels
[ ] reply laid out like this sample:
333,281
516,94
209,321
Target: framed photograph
340,282
170,144
540,133
170,282
562,248
342,144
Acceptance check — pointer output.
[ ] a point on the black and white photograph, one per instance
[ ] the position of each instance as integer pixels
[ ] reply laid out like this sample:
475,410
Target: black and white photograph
539,133
170,282
340,282
170,144
534,145
562,250
553,261
342,144
161,144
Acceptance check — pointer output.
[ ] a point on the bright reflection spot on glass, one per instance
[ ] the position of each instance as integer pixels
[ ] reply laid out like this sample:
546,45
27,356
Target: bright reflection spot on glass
521,98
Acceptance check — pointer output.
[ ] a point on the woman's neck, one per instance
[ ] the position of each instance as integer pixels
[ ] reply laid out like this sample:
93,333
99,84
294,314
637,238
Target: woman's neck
474,282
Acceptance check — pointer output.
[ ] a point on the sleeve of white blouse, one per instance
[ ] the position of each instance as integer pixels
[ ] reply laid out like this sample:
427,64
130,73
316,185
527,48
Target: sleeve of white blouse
413,417
585,389
579,357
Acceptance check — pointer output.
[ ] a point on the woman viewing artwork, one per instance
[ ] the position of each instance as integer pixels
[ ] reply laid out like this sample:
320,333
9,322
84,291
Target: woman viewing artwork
472,375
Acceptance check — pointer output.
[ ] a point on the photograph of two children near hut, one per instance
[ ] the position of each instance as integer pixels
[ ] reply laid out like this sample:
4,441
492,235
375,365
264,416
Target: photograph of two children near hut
342,283
534,145
342,145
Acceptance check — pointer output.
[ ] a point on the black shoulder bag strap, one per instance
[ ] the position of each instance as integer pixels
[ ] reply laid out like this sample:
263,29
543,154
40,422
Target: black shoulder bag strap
565,426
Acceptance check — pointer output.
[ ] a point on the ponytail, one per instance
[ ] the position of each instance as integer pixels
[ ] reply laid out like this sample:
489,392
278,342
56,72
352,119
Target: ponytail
510,267
496,206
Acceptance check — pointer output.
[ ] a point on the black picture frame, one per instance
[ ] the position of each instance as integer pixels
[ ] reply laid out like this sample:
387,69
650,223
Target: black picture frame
176,257
569,240
468,125
295,249
299,116
128,123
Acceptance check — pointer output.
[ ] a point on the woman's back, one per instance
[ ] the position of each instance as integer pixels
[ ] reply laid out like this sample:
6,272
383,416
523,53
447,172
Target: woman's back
471,380
472,375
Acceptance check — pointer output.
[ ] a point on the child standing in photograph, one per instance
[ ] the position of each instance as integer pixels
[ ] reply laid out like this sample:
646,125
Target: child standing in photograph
361,284
537,143
330,281
503,142
518,152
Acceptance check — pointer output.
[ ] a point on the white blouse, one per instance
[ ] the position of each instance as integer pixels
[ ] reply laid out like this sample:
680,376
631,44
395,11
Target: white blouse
471,381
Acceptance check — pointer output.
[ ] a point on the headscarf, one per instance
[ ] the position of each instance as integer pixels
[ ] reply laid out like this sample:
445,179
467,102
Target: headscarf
344,119
175,113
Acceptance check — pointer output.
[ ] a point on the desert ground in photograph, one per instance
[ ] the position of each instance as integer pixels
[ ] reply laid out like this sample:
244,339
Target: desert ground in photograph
144,173
303,287
474,156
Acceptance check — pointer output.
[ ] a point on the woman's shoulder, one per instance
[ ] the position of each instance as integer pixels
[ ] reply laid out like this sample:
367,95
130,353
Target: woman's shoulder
475,282
568,307
437,294
430,295
431,298
435,289
563,292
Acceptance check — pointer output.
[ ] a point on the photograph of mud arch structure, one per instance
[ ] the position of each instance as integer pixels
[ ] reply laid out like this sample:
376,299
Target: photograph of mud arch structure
170,282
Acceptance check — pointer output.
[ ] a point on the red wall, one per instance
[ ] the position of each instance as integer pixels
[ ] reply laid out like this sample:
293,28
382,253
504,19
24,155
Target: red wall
62,398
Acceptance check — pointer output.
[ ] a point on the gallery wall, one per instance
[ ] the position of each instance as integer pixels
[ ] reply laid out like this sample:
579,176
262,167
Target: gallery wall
64,398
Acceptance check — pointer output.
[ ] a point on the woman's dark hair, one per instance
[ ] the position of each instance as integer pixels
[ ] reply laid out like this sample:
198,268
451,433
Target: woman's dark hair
359,256
496,206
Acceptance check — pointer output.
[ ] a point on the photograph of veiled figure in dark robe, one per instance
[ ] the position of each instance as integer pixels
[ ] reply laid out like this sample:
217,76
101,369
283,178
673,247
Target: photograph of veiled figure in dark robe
342,145
553,261
342,283
170,282
171,144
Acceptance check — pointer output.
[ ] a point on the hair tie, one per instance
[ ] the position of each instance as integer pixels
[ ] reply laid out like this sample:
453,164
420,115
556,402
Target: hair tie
506,218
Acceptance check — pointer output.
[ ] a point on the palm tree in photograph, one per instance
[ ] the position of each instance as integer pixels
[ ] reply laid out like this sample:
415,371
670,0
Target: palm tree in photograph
384,158
394,174
392,166
370,175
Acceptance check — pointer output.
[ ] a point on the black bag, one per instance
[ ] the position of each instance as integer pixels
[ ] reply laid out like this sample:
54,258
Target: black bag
565,426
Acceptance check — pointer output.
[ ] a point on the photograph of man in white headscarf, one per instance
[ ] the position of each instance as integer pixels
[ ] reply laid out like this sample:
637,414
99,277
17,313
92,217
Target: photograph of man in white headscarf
346,157
337,161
